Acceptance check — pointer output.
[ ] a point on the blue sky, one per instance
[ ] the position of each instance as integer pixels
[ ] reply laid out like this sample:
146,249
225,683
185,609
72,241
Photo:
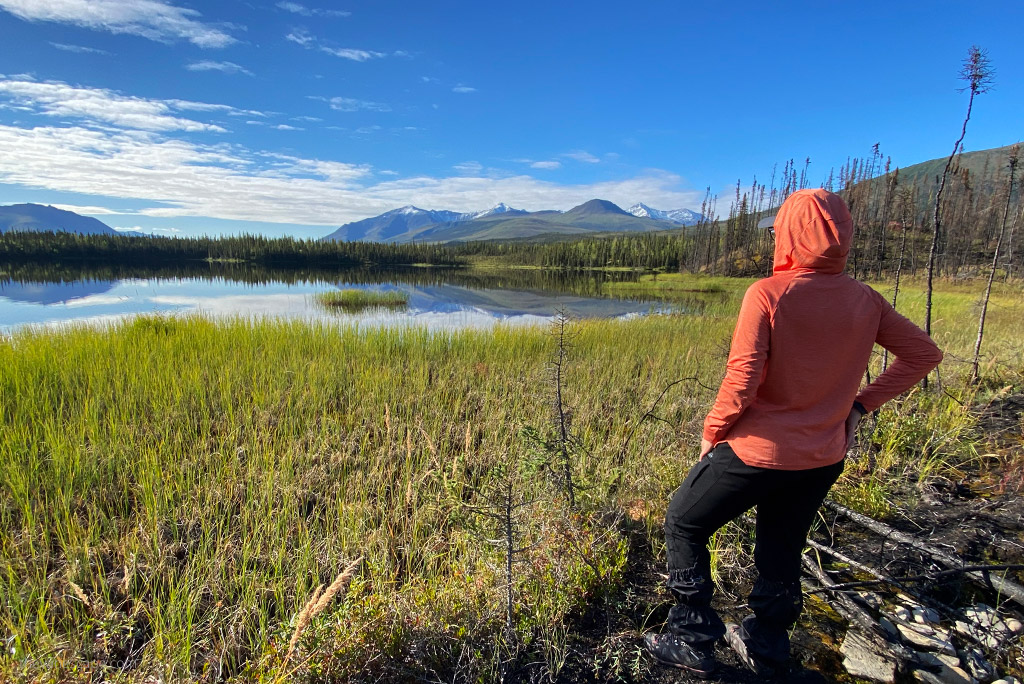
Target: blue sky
230,116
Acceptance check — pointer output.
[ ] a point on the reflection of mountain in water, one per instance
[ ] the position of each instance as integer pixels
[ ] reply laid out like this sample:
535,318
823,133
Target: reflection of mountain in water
53,292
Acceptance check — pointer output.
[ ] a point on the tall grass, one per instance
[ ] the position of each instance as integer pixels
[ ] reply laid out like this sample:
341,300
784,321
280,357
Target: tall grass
176,490
359,300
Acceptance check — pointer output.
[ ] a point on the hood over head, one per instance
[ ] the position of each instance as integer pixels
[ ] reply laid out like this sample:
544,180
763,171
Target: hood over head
813,230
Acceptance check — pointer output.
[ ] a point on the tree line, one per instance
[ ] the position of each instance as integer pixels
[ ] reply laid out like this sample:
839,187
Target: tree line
284,252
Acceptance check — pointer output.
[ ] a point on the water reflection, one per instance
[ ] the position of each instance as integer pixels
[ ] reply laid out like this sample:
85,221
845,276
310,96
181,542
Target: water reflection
438,298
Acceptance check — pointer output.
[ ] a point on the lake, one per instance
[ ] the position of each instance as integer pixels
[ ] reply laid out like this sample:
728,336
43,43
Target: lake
437,298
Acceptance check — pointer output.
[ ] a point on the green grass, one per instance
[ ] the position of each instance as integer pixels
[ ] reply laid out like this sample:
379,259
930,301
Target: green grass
175,489
360,300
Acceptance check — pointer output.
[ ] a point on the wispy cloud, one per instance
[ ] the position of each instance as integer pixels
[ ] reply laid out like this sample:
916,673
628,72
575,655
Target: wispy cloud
303,37
354,55
286,127
471,168
80,49
99,105
304,11
223,67
152,19
180,178
147,231
463,89
546,165
582,156
90,210
351,104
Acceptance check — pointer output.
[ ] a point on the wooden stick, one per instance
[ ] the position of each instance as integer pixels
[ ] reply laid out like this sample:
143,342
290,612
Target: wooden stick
1005,587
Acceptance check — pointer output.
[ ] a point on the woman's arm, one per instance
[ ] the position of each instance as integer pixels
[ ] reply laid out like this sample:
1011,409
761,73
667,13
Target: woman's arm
743,372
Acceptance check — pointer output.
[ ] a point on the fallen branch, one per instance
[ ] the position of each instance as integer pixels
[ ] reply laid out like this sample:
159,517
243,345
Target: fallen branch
943,608
856,615
929,577
1005,587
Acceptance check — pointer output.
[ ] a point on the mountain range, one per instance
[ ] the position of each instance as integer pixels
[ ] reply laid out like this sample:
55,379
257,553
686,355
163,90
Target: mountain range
501,222
38,217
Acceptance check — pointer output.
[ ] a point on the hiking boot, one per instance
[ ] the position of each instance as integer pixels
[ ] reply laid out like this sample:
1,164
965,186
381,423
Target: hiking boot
668,649
760,666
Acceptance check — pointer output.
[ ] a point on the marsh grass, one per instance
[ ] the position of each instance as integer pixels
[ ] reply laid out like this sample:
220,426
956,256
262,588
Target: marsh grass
353,299
175,490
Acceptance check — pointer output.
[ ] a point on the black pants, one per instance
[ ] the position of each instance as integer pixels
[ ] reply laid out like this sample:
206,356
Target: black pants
722,487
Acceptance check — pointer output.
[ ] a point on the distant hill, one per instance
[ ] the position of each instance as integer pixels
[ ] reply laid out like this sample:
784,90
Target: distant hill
411,224
38,217
987,168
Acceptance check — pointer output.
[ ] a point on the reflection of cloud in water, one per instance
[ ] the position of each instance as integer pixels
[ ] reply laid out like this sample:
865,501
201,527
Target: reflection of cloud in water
436,307
97,300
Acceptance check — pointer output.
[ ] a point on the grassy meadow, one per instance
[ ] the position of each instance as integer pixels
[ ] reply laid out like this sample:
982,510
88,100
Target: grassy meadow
176,490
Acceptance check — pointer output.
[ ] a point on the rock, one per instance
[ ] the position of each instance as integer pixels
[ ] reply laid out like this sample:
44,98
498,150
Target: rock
863,658
903,613
889,627
927,642
925,616
984,615
870,599
950,660
1015,626
977,665
944,674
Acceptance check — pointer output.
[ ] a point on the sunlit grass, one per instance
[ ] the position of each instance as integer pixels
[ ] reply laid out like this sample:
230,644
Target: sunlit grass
359,300
174,489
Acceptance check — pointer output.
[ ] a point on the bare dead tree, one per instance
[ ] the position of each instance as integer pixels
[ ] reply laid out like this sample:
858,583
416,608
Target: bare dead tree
977,72
561,415
906,206
995,261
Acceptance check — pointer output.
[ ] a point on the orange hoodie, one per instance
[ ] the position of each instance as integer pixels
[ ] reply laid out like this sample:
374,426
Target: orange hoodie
802,343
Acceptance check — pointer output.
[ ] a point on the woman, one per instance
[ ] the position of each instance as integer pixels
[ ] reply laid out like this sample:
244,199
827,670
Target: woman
776,437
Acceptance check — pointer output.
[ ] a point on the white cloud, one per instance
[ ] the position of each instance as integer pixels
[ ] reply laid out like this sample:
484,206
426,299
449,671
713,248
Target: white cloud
349,104
230,182
91,210
224,67
286,127
301,36
354,55
307,40
80,49
147,231
582,156
472,168
152,19
463,89
99,105
546,165
304,11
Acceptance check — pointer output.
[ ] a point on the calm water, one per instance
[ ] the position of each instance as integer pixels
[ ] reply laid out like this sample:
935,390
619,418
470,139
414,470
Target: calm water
438,300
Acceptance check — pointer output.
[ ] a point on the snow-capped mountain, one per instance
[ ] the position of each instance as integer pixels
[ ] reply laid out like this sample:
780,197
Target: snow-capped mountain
409,223
684,217
401,221
499,208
